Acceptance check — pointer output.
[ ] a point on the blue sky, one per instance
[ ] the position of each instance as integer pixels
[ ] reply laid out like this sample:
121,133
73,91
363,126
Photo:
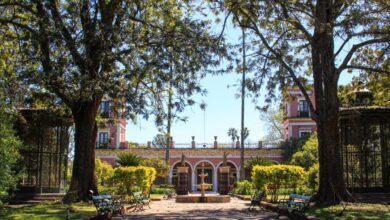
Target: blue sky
223,110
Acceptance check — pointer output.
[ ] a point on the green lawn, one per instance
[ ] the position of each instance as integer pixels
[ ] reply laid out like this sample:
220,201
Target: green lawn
353,211
156,196
48,211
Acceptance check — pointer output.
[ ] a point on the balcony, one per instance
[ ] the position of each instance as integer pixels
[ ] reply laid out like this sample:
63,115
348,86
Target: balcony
102,145
303,114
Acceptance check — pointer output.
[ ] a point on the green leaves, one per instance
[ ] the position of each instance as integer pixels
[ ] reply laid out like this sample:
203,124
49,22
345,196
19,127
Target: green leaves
308,155
129,159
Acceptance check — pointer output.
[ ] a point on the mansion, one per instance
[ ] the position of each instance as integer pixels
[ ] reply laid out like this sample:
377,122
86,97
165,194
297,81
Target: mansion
111,142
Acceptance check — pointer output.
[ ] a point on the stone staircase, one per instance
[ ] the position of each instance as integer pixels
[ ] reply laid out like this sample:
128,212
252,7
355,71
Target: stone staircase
34,198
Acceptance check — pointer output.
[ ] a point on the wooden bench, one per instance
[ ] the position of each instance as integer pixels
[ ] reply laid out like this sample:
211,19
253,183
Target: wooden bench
297,202
256,199
140,201
107,206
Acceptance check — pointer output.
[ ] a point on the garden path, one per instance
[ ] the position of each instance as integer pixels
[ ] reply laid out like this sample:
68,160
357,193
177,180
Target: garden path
168,209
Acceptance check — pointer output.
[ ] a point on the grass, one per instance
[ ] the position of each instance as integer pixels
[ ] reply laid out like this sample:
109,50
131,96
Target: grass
48,211
156,196
353,211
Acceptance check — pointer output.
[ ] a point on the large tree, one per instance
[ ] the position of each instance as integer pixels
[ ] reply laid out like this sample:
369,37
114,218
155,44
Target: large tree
80,51
297,39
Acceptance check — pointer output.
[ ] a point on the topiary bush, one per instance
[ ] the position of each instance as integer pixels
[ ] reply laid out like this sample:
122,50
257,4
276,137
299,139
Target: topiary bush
275,177
127,178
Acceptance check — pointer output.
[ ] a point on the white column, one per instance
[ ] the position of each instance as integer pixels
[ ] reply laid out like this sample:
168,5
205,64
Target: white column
170,175
193,180
215,180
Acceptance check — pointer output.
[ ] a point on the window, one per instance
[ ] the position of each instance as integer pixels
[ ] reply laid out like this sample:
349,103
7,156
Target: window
304,133
105,109
103,139
303,108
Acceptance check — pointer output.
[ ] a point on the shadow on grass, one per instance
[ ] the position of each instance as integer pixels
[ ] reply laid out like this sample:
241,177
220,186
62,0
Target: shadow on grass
48,211
353,211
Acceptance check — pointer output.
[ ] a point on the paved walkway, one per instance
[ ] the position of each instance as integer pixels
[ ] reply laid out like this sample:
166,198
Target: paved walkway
168,209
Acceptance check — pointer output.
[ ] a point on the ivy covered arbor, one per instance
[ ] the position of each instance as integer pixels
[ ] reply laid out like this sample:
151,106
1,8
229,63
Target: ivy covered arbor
46,138
365,145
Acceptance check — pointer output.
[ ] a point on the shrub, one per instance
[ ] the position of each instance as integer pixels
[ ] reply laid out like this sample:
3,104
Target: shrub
129,159
308,155
258,161
313,179
244,188
291,147
272,178
161,166
103,173
9,152
126,178
160,190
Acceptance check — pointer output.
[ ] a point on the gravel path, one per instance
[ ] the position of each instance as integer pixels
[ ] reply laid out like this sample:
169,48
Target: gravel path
168,209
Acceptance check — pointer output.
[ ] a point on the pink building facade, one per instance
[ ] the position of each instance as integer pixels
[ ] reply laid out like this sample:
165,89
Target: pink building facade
111,129
212,158
298,122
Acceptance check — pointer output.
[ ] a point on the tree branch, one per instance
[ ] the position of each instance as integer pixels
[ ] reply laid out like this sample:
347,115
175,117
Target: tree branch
281,60
356,47
23,26
366,68
70,42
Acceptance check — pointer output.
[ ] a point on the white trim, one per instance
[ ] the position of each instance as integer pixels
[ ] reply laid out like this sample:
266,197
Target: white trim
298,92
105,130
118,133
290,131
171,170
288,109
175,163
235,166
304,130
302,123
229,161
214,178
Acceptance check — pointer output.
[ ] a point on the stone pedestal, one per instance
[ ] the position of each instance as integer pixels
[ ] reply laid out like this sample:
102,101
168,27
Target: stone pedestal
182,181
224,180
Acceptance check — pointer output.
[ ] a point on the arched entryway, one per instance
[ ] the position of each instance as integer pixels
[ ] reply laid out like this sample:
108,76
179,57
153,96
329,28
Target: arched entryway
174,175
232,174
209,169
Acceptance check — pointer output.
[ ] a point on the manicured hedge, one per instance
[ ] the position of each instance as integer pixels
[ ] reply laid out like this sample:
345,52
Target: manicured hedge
126,178
272,178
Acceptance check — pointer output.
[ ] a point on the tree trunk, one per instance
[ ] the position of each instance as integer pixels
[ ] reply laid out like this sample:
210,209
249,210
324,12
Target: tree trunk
332,187
83,178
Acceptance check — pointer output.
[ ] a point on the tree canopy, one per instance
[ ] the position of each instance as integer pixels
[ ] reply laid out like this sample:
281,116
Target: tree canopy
81,51
298,40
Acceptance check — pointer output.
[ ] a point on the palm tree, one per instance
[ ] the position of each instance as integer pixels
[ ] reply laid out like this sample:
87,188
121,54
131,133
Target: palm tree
129,159
232,132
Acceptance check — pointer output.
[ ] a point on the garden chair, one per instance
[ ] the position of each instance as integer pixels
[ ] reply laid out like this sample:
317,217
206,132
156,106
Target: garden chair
256,199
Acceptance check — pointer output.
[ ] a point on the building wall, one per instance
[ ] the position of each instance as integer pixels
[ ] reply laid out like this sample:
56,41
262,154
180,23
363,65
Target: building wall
295,124
115,127
194,158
